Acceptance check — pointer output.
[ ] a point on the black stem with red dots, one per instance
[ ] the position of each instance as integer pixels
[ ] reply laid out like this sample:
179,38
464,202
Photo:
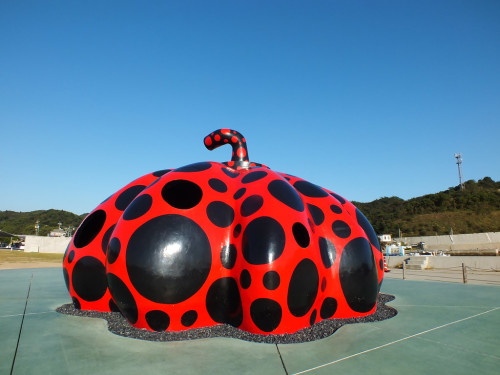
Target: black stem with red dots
222,137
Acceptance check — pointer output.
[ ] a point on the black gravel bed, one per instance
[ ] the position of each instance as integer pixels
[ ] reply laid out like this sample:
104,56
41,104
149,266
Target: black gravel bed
118,325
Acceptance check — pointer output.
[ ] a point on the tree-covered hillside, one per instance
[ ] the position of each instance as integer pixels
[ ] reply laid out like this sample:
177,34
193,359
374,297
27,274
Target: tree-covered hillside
474,209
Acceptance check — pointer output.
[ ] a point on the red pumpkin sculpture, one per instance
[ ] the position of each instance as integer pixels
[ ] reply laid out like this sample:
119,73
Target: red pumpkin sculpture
235,243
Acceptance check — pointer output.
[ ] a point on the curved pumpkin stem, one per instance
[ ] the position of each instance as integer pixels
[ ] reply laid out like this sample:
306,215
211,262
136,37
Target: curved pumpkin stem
222,137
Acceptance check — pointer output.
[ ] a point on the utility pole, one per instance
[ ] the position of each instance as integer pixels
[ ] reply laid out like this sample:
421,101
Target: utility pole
459,163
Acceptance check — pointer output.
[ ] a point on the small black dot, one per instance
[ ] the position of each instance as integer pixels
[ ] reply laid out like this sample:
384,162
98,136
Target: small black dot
161,173
230,173
338,197
309,189
336,209
271,280
71,256
106,237
217,185
188,318
228,256
316,213
237,231
253,176
239,193
138,207
286,194
114,248
245,279
251,205
127,196
328,308
341,229
157,320
266,314
182,194
312,319
327,251
220,214
301,235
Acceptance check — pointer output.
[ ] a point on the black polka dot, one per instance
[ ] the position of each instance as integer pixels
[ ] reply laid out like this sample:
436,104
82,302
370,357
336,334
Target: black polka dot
220,214
271,280
168,258
181,194
66,251
114,248
286,194
223,302
266,314
89,229
123,298
251,205
188,318
239,193
106,237
138,207
309,189
341,229
228,256
328,308
381,264
245,279
112,306
71,256
66,277
217,185
127,196
316,213
300,234
196,167
370,233
230,173
336,209
303,288
89,278
327,251
76,303
158,320
338,197
312,318
263,241
323,284
358,275
237,231
253,176
161,173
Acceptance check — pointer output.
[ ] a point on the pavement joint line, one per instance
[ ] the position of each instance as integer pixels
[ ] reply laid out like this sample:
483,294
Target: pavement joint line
396,341
281,358
37,313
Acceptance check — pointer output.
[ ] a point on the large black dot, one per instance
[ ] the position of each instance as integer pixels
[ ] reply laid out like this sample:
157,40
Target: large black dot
168,258
123,298
251,205
105,239
217,185
327,251
161,173
328,308
230,173
182,194
223,302
195,167
220,214
89,278
66,277
263,241
303,288
253,176
127,196
89,229
114,248
239,193
228,256
341,229
338,197
317,214
157,320
266,314
112,306
286,194
271,280
245,279
138,207
301,234
309,189
370,233
188,318
358,275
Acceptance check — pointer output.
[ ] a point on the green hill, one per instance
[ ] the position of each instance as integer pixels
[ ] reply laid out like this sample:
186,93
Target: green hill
475,209
24,222
472,210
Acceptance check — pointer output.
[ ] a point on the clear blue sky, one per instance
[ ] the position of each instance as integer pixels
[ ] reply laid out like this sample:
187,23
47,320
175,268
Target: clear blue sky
366,98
